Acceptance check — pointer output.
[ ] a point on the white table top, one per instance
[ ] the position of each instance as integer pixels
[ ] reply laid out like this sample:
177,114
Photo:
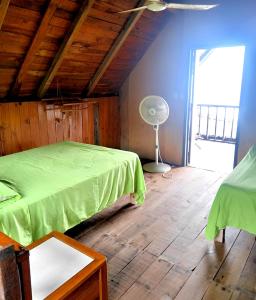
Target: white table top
51,264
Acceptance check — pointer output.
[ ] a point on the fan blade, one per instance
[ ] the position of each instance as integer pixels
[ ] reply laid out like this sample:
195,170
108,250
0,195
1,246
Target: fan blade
132,10
190,6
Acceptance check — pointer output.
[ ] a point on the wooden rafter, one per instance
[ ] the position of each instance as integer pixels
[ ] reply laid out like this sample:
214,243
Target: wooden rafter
40,35
133,19
4,4
66,44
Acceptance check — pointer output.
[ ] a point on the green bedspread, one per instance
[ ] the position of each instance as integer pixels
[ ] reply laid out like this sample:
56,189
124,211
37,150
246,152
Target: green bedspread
235,202
64,184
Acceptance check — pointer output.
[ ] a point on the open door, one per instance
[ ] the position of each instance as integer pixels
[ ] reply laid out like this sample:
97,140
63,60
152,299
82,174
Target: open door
215,87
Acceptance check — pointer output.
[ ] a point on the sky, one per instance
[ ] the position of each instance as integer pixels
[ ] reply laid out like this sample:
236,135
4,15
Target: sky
218,77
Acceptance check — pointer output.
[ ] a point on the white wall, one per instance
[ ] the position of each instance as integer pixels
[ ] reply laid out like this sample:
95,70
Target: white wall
164,69
233,22
159,72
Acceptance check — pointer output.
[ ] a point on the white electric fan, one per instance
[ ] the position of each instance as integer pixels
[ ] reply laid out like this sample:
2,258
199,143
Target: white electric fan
154,110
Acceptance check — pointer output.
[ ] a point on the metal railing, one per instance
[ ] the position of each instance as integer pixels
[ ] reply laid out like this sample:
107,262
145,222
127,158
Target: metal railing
216,122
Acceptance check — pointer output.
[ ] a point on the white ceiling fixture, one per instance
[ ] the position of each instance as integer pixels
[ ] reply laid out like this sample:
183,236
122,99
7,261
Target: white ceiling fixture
159,5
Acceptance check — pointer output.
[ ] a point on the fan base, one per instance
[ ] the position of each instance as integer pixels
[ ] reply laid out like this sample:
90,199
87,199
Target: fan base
156,168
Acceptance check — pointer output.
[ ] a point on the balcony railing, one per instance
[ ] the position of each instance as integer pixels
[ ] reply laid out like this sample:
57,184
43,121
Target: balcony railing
216,122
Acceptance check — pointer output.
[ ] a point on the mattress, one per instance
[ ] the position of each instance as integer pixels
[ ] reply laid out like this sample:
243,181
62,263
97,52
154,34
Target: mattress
64,184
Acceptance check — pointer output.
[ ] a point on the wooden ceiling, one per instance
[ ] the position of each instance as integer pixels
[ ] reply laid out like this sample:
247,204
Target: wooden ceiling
83,48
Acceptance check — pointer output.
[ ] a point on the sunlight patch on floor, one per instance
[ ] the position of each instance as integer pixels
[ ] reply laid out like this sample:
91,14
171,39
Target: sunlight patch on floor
214,156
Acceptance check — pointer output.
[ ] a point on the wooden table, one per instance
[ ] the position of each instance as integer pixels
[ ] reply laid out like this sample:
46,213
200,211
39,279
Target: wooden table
62,268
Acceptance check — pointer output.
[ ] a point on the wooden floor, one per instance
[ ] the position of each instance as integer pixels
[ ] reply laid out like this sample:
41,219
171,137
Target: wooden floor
158,250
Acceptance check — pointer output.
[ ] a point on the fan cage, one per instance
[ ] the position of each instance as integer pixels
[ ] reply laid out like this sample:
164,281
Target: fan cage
154,110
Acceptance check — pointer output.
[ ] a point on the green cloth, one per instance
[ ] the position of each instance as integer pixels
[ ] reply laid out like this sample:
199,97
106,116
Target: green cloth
6,192
235,202
63,184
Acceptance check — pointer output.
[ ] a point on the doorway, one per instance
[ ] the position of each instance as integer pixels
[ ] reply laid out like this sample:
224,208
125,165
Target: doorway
215,83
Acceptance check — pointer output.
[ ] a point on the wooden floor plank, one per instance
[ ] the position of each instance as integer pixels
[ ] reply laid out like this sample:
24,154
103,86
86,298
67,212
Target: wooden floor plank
242,295
171,284
217,291
232,268
226,280
201,278
159,252
121,282
148,280
190,245
121,260
247,280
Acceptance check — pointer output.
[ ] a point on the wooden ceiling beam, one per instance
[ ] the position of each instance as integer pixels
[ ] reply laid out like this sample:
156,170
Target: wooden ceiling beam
66,44
4,4
38,38
129,25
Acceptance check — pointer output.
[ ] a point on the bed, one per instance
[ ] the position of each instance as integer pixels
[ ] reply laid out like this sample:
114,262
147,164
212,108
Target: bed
235,201
62,185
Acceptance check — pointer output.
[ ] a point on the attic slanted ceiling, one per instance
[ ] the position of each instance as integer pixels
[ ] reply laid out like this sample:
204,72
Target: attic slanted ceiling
50,45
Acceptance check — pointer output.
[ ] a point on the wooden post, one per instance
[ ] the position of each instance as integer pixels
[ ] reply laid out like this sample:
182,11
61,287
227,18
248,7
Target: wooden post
22,258
223,235
22,266
9,275
103,282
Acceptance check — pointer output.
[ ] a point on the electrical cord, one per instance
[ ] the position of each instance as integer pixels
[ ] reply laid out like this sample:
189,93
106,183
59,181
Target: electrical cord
159,154
169,173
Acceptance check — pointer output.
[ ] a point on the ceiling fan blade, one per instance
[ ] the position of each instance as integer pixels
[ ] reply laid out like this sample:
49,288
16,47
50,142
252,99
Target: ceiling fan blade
191,6
132,10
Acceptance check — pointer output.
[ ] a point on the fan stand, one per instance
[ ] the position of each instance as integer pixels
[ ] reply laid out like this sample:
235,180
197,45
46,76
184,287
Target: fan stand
156,167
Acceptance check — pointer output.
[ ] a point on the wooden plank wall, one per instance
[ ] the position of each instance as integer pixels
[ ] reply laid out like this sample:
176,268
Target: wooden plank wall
32,124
